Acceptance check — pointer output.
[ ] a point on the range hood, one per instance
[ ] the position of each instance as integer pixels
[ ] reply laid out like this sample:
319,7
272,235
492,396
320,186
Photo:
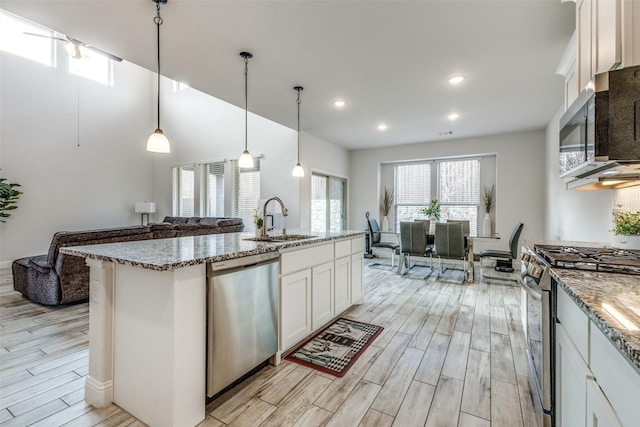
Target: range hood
600,134
607,175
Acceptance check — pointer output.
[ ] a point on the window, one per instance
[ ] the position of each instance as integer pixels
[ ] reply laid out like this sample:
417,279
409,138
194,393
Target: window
14,40
459,191
246,191
184,190
213,189
455,183
93,66
328,203
412,191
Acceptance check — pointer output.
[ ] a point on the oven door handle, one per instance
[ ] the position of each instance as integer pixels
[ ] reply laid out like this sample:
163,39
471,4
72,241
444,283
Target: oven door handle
535,292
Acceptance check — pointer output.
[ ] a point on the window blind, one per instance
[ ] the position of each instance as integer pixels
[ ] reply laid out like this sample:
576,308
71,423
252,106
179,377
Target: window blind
214,189
186,190
412,191
246,191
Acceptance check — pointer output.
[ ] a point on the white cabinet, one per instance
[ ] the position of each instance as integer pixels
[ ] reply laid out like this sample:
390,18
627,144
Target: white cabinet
571,382
596,385
584,35
317,283
295,307
616,377
321,295
342,284
599,410
607,35
357,267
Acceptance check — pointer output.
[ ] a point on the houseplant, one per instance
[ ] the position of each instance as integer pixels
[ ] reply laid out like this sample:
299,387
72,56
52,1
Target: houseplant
387,203
488,200
8,198
627,226
258,221
433,210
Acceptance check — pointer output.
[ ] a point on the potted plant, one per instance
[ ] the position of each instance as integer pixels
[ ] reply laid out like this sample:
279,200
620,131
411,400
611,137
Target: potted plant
433,210
8,198
627,226
258,221
387,203
488,199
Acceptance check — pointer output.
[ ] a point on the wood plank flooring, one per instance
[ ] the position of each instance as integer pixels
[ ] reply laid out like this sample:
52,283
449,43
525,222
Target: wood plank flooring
451,354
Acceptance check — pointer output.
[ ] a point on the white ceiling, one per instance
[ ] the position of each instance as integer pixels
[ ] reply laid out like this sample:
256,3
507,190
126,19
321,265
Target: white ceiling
389,60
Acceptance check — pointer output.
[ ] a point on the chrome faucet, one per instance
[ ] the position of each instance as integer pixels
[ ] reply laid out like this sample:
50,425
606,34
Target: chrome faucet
285,212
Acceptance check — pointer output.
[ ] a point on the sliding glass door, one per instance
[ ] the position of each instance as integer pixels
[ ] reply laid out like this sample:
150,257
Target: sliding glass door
328,203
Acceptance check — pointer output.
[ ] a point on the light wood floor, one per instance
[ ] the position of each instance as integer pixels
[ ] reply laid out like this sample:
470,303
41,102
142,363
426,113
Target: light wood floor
451,354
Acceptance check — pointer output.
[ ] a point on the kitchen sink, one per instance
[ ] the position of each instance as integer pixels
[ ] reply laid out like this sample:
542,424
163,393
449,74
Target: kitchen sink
281,238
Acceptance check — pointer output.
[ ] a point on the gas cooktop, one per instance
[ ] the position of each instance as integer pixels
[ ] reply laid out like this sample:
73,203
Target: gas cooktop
610,260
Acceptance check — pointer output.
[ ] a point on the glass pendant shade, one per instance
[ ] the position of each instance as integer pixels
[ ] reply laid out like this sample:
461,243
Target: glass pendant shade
245,160
298,171
158,143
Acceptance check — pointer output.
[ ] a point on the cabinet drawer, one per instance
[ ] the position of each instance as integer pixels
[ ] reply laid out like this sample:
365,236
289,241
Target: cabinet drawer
343,248
617,378
357,245
304,258
575,322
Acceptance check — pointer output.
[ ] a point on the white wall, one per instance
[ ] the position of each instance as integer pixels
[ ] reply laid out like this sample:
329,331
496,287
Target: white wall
202,128
580,216
77,147
519,178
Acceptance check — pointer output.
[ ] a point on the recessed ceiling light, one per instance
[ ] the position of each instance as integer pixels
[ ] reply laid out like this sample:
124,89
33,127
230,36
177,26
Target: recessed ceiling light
339,104
382,126
453,116
456,79
446,132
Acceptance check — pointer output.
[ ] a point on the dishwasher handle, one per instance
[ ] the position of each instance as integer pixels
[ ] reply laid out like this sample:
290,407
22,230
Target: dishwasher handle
214,268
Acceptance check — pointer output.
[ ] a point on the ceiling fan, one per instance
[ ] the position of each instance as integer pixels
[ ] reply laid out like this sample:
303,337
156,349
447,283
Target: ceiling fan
77,49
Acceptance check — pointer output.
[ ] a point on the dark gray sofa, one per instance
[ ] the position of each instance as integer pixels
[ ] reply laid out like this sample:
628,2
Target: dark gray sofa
56,278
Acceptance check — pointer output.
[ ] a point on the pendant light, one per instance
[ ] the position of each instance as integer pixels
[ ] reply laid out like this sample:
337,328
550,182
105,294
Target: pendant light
158,142
245,160
298,171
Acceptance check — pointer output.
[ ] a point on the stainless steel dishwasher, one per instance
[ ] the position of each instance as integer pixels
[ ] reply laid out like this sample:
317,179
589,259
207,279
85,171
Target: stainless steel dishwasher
242,317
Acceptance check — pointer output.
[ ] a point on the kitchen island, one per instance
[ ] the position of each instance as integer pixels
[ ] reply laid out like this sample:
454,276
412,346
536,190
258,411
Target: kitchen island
147,314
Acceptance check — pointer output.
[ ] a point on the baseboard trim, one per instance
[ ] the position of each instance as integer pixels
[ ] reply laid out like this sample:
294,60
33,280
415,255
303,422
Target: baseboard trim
97,393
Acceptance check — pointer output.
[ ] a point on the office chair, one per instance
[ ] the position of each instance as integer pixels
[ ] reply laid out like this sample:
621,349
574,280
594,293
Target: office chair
504,259
376,234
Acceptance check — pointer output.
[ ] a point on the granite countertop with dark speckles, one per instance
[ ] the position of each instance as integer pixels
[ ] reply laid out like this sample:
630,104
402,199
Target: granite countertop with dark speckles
603,297
178,252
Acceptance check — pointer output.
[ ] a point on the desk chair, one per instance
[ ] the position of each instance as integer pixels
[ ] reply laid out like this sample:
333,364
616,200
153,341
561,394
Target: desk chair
375,235
449,243
504,259
413,242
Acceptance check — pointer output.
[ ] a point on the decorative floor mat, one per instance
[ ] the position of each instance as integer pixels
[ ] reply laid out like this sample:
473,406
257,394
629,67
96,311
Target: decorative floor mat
336,348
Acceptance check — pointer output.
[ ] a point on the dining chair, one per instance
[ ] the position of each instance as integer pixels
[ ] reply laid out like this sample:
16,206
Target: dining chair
413,242
504,259
376,235
449,244
465,225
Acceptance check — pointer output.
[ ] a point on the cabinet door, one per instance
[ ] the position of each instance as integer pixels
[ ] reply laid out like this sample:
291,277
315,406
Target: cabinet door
599,410
571,383
357,268
608,35
321,295
295,308
584,25
342,284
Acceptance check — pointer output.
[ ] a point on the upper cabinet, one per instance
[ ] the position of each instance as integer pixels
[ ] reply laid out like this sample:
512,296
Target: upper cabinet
607,37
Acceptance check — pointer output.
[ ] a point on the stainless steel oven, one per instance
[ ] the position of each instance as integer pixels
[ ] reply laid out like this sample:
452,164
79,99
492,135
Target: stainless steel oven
538,317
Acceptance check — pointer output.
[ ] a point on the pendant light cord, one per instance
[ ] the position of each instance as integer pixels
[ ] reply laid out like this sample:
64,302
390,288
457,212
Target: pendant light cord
299,89
158,22
246,97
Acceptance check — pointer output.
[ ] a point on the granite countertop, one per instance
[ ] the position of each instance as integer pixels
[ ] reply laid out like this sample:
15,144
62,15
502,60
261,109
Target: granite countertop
610,300
177,252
